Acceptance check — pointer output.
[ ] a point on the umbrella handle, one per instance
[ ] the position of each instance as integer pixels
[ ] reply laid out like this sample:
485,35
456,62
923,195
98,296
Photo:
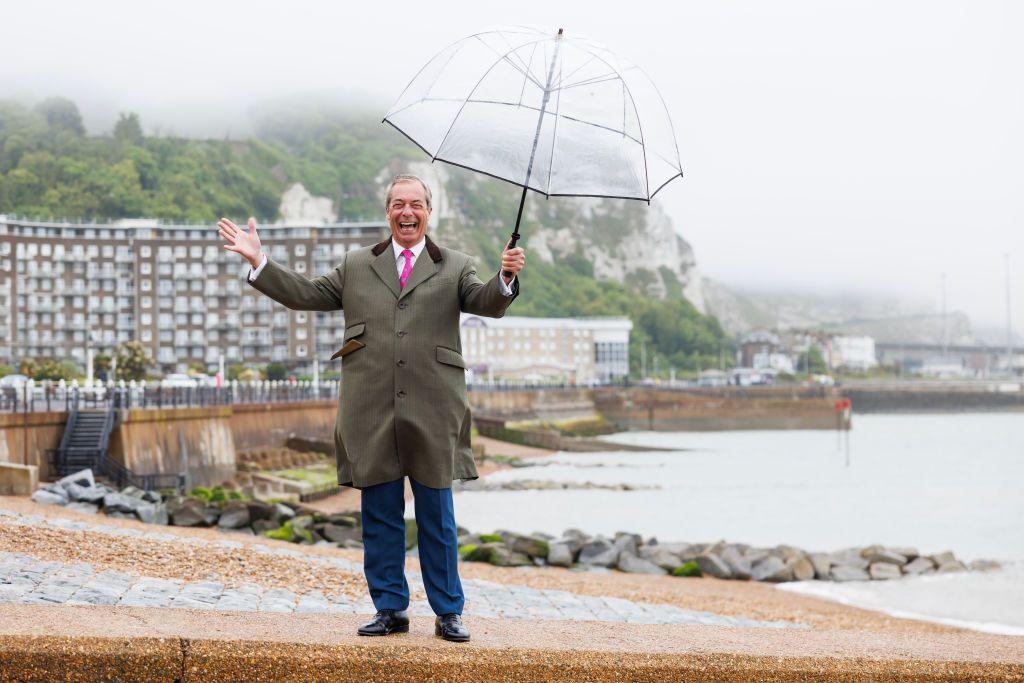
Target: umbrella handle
515,231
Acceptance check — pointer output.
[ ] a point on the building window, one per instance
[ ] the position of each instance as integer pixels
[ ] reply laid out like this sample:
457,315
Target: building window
145,285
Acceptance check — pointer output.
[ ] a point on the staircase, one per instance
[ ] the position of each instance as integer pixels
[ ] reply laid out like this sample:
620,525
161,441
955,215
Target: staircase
85,441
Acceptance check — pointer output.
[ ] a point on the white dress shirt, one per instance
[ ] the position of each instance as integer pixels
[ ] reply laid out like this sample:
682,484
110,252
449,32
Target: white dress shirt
399,264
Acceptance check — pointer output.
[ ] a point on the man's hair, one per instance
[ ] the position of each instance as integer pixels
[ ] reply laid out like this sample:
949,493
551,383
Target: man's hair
406,178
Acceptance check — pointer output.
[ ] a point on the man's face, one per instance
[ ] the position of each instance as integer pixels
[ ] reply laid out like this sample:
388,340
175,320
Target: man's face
408,212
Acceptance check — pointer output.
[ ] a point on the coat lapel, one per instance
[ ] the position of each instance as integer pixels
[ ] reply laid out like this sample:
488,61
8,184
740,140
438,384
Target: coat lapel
384,266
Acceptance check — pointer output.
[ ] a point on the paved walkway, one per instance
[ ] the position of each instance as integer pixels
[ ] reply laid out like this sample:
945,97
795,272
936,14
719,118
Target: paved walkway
28,580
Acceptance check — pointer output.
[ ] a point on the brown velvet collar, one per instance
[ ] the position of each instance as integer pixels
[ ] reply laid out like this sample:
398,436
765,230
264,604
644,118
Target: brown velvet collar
432,249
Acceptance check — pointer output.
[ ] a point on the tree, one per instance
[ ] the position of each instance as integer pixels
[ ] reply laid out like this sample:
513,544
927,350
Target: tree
812,361
62,114
6,370
101,363
275,371
128,128
133,361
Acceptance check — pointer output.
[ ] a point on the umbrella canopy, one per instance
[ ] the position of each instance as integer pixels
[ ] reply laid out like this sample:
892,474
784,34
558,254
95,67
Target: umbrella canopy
556,114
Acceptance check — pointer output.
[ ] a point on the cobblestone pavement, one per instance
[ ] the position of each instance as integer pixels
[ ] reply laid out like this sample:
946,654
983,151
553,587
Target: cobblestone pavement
27,580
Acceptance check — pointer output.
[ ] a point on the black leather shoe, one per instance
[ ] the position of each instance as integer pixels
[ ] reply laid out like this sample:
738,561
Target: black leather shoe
386,621
450,627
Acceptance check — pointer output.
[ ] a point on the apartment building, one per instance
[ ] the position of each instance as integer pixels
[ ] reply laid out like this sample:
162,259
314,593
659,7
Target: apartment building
517,348
66,287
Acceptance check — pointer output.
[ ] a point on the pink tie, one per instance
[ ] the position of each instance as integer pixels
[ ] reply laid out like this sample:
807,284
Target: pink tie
407,269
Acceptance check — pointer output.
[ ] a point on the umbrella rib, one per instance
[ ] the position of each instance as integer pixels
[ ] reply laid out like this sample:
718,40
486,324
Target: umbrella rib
554,133
504,57
562,79
595,79
463,107
522,91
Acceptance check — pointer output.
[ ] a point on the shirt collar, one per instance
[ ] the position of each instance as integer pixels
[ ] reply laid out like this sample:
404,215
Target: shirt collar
415,249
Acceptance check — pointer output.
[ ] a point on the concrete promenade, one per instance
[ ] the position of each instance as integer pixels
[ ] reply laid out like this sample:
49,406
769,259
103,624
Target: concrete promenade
94,598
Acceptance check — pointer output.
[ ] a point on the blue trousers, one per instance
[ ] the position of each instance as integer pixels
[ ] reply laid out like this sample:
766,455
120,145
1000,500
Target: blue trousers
383,514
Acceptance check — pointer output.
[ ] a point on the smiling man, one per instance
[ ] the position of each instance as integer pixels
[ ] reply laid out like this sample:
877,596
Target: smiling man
403,410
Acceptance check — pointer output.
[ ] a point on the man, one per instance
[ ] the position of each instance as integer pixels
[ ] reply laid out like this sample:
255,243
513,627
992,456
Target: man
403,410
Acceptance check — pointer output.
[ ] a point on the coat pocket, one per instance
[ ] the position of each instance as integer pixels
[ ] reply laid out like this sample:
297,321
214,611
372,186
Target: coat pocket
351,344
450,357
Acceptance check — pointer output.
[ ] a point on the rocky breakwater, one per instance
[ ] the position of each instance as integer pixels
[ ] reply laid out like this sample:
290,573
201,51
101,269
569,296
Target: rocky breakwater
629,552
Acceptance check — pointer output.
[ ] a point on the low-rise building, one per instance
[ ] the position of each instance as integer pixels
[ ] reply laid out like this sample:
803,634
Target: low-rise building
572,350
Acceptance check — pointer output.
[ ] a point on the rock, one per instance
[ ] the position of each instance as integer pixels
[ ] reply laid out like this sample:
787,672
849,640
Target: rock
919,565
534,547
771,568
845,572
575,544
877,553
261,525
191,512
739,566
906,551
88,494
822,564
952,566
660,556
152,513
83,478
755,555
82,506
49,498
469,539
849,558
802,567
577,534
133,492
353,544
411,534
152,497
683,550
235,515
984,565
713,565
340,534
343,520
941,558
559,554
258,510
628,562
122,515
282,512
884,570
503,556
627,541
599,552
118,502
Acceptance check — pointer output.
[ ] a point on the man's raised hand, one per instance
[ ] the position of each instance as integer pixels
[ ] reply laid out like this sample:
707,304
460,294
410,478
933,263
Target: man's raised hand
245,243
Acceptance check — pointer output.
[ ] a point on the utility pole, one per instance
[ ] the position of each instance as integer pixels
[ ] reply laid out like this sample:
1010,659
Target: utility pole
643,359
1009,320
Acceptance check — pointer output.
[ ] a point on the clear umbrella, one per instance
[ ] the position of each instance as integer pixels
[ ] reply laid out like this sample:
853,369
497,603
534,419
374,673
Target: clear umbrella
559,115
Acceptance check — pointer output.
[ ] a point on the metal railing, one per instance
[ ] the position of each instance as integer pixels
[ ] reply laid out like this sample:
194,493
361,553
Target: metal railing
62,396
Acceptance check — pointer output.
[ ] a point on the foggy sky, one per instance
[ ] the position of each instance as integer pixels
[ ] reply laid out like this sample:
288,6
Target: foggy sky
826,145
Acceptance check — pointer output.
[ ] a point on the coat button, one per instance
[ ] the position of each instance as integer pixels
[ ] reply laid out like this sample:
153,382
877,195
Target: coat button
401,394
401,363
401,333
402,304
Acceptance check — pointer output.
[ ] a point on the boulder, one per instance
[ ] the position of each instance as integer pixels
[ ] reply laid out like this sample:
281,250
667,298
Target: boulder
919,565
755,555
951,566
661,556
575,544
984,565
191,512
503,556
941,558
850,557
599,552
627,541
282,512
261,525
87,494
846,572
628,562
534,547
802,567
82,506
906,551
152,513
234,515
82,478
884,570
119,502
713,565
822,564
343,520
259,510
559,554
683,550
133,492
49,498
771,568
340,534
739,566
411,534
877,553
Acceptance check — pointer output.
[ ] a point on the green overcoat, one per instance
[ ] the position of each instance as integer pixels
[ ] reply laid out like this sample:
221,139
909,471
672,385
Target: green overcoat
402,409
